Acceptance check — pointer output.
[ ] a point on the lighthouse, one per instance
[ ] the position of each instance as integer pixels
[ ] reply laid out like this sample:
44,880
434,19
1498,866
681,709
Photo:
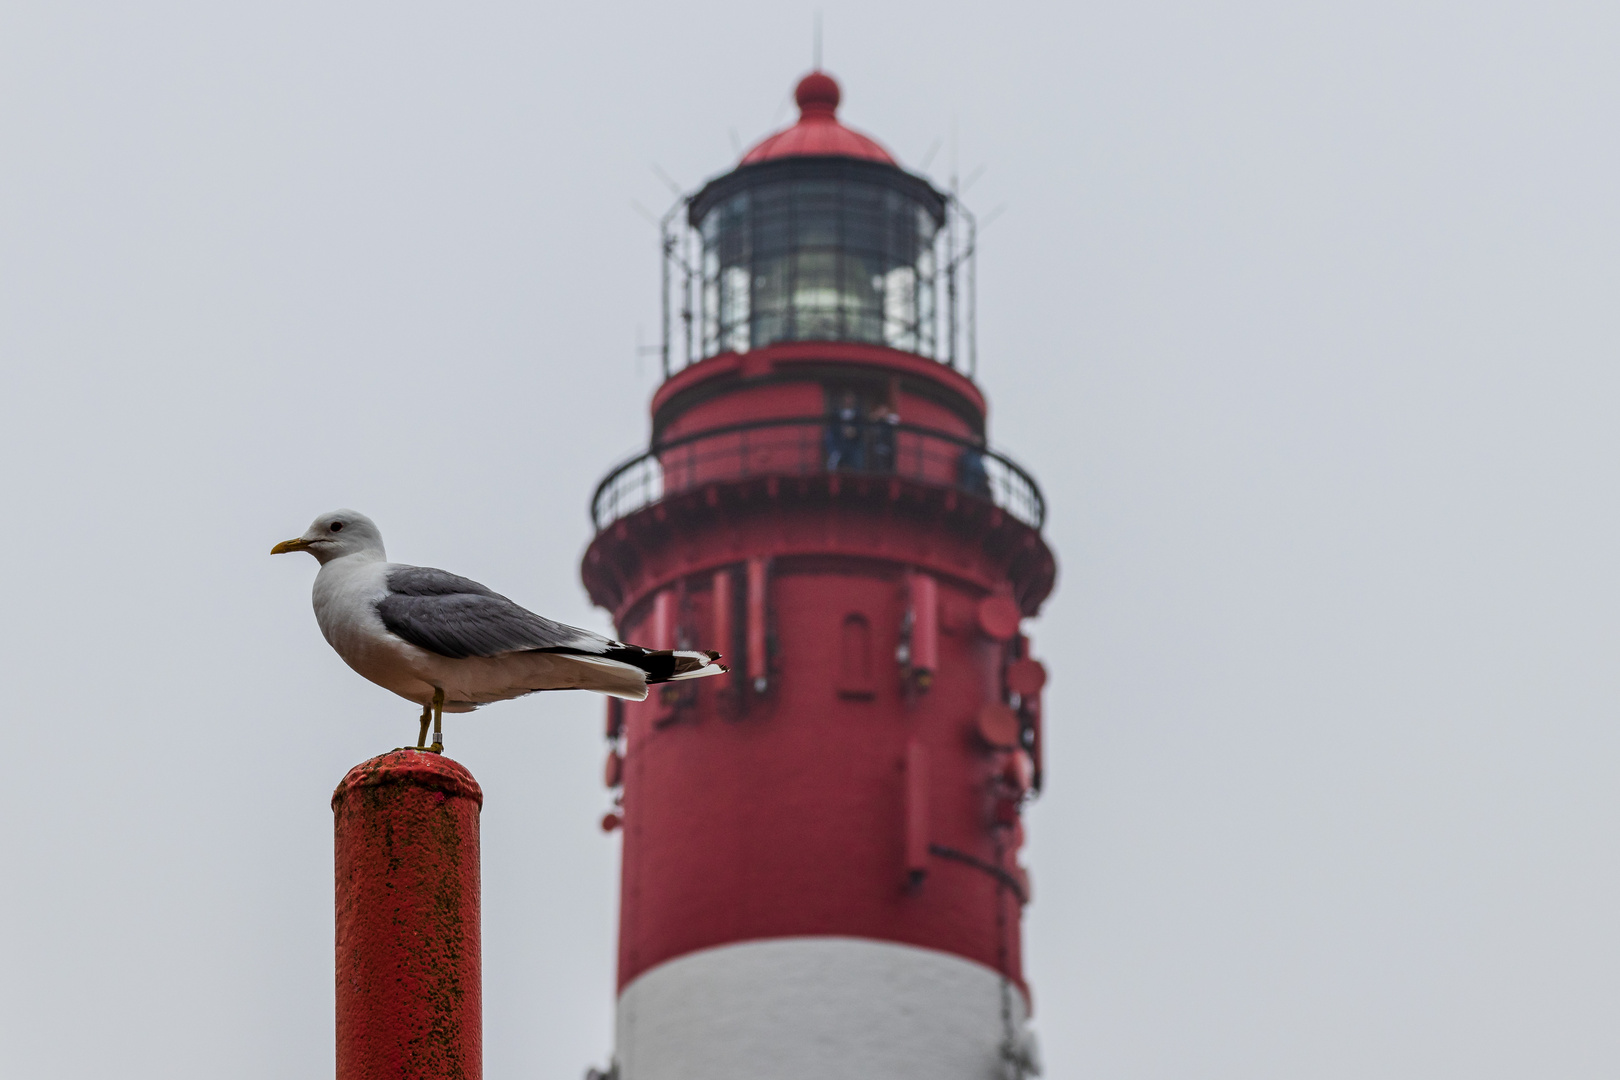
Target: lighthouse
821,872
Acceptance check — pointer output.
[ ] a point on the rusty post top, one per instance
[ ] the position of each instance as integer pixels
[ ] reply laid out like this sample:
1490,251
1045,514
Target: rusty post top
418,768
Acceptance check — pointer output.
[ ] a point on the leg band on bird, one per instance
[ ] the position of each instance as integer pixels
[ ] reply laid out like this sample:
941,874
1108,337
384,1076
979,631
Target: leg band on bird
438,721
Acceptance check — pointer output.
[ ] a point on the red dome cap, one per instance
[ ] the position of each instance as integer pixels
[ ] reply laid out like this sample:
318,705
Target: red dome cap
818,132
817,92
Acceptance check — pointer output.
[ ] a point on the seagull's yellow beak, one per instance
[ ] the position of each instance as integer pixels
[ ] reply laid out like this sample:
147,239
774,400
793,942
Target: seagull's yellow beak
297,543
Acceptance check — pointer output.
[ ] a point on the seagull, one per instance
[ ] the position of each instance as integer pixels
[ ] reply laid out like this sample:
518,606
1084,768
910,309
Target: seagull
449,644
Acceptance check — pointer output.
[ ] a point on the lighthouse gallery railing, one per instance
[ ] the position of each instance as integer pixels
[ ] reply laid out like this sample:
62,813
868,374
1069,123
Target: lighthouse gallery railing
804,446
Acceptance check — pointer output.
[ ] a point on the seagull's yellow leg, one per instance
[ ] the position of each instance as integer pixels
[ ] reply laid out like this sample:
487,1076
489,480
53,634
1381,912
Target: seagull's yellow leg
438,721
427,717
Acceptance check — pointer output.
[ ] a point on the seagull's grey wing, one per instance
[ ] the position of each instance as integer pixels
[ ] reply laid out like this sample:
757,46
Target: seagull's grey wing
457,617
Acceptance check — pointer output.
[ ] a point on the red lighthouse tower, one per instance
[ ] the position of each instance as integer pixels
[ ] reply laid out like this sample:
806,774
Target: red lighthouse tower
820,870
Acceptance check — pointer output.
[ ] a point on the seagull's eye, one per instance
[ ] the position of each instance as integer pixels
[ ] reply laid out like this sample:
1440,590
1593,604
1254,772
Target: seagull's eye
336,526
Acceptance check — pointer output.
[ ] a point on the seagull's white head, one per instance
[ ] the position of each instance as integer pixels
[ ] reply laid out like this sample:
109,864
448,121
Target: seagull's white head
334,535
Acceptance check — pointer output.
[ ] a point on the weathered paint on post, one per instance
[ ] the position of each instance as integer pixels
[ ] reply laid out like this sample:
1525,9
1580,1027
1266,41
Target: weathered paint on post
409,982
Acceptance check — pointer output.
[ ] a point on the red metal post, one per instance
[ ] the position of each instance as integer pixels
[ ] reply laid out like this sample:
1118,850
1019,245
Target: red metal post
409,988
916,811
758,660
721,605
663,627
924,627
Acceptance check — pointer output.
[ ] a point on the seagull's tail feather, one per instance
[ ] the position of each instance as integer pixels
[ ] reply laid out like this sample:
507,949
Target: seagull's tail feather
696,665
612,677
668,665
627,670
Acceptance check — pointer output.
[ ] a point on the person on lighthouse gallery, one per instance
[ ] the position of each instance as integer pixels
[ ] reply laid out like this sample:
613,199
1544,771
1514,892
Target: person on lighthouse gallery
844,438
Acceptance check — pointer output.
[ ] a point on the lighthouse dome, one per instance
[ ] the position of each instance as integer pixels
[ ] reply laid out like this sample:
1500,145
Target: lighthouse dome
818,132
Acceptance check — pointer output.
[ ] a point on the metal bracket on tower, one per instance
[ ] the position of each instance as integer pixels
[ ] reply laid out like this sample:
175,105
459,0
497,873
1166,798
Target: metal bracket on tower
961,256
675,242
758,629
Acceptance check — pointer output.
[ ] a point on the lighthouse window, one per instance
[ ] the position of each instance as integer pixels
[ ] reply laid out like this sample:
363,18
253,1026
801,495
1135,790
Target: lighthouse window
734,297
817,260
900,308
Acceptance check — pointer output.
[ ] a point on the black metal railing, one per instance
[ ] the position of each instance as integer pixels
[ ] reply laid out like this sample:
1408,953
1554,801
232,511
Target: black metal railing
804,446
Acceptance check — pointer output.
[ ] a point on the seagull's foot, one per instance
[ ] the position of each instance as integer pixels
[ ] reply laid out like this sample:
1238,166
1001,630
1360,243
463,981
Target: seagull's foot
438,722
427,718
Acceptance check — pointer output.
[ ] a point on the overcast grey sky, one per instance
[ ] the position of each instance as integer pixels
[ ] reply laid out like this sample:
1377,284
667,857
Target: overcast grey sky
1303,314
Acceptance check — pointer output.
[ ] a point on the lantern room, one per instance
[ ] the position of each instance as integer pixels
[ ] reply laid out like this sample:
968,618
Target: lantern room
817,236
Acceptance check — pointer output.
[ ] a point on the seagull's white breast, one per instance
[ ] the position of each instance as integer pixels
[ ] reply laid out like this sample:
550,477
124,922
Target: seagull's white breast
347,591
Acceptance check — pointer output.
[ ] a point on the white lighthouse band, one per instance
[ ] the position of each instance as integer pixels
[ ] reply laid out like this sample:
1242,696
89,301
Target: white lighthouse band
822,1008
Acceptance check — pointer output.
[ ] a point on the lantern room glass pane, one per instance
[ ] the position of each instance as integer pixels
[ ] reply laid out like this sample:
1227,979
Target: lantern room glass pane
817,260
